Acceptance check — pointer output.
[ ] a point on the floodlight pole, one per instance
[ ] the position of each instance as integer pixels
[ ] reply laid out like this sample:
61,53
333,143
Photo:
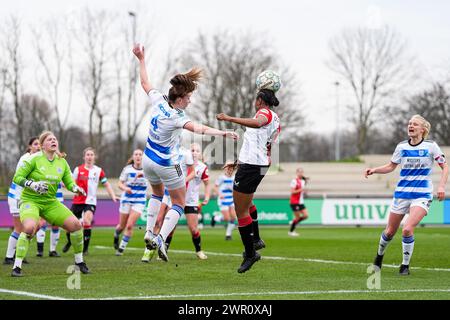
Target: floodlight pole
134,81
337,138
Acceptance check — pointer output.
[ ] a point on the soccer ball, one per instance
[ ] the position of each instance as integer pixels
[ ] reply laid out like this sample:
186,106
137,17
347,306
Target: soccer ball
268,79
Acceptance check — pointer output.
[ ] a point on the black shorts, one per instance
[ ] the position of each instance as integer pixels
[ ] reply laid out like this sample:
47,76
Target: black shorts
190,210
78,209
248,177
297,207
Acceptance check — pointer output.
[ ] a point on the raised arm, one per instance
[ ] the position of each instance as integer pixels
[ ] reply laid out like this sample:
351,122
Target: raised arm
259,122
383,169
139,52
202,129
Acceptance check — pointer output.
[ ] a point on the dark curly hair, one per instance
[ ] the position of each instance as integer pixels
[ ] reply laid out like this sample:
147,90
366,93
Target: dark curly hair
268,96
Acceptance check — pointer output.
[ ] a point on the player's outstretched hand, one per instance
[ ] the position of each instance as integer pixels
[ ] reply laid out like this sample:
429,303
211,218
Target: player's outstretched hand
222,117
369,172
139,51
231,135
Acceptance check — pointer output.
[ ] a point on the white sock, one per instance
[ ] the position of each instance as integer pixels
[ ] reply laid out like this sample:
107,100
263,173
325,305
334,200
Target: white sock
408,248
384,241
154,204
54,238
18,263
40,235
230,228
12,243
79,257
124,242
171,221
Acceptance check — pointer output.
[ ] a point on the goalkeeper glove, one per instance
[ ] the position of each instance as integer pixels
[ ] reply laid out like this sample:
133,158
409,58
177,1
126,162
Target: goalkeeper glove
40,187
77,189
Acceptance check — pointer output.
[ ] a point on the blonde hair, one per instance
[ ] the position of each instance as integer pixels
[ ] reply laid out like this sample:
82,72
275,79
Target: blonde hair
44,135
425,124
182,84
194,144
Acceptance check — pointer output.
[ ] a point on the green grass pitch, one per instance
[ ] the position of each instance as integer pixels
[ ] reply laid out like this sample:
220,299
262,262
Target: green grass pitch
323,263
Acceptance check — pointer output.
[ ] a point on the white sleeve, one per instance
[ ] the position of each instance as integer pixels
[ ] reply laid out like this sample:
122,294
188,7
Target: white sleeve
123,175
21,160
293,183
181,120
397,155
437,154
155,97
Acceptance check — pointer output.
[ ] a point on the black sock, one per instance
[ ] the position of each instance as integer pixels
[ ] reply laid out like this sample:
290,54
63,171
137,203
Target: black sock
68,238
255,224
247,239
168,241
196,242
40,247
87,238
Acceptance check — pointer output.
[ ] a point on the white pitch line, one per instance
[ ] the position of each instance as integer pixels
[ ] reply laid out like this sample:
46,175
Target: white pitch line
290,259
217,295
31,294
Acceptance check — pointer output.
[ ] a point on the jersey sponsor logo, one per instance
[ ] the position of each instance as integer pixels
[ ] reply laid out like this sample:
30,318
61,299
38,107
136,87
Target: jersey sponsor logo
164,111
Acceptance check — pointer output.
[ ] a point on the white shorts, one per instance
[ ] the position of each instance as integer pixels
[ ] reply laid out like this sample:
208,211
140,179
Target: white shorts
13,207
223,207
125,208
172,177
402,206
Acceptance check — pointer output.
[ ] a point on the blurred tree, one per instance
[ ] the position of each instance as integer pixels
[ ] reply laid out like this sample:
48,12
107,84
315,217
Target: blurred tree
10,33
55,72
433,104
374,63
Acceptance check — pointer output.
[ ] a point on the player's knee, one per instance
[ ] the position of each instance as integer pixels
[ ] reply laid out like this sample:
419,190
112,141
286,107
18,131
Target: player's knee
407,231
74,225
29,231
389,232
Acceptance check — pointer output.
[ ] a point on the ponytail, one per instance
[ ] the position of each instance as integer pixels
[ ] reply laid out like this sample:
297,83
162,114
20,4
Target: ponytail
182,84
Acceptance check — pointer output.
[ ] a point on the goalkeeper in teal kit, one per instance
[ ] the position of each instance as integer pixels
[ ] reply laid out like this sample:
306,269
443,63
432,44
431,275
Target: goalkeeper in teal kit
40,175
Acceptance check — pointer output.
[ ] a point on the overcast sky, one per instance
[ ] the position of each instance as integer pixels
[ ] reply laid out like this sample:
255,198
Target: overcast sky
301,31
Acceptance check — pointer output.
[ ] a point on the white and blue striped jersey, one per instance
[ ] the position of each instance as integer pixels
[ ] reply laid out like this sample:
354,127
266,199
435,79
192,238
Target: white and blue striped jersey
59,193
15,190
225,185
135,180
416,162
166,126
